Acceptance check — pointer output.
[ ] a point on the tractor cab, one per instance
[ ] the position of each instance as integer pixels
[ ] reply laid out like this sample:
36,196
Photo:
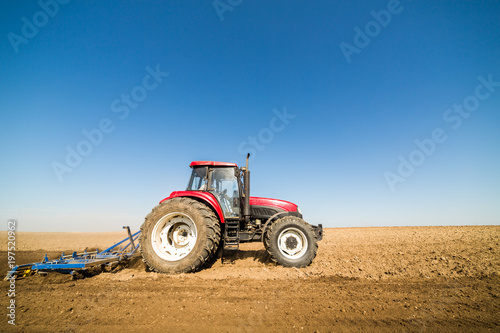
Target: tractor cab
222,180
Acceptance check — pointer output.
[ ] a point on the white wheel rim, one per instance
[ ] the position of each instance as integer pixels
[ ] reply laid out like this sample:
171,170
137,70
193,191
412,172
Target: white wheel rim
174,236
292,243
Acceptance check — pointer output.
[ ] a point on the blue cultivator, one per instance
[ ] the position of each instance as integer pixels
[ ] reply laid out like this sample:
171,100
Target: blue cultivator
78,262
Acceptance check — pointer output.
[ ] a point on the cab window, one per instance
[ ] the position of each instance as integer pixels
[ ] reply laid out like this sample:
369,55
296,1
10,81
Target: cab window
224,186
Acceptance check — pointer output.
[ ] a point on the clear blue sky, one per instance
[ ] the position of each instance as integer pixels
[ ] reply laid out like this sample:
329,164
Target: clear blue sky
354,84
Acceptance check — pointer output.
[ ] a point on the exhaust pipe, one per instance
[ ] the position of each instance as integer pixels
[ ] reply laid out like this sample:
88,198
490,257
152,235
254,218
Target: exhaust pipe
246,193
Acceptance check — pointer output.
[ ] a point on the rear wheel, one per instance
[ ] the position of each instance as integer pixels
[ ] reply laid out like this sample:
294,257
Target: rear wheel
291,242
179,235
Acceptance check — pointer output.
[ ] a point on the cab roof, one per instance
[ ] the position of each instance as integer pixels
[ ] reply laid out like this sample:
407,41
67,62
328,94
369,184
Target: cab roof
212,163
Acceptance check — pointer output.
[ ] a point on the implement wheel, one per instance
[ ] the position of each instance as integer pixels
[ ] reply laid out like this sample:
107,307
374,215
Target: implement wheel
179,236
291,242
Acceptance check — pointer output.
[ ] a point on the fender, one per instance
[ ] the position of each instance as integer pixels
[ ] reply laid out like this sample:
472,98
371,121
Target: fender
275,217
206,197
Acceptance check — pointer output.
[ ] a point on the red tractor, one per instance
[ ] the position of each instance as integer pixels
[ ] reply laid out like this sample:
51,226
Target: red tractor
185,230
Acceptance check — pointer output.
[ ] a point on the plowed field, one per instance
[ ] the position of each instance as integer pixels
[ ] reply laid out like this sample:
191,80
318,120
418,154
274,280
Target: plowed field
414,279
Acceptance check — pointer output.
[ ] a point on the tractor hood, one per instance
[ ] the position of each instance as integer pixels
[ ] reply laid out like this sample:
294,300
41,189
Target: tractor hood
275,203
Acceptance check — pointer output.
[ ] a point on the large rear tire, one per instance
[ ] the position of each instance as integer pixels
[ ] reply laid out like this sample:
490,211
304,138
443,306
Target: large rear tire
291,242
179,236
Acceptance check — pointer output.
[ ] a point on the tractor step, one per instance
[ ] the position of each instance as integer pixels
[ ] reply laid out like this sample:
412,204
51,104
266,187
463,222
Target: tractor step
232,235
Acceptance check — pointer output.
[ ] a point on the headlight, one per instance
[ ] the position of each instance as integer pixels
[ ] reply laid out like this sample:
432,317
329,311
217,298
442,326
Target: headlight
298,210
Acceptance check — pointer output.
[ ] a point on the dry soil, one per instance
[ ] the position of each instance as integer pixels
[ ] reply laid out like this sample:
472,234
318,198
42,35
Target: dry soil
413,279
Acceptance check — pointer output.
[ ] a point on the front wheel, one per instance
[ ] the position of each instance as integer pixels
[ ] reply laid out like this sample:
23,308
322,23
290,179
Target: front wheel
291,242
